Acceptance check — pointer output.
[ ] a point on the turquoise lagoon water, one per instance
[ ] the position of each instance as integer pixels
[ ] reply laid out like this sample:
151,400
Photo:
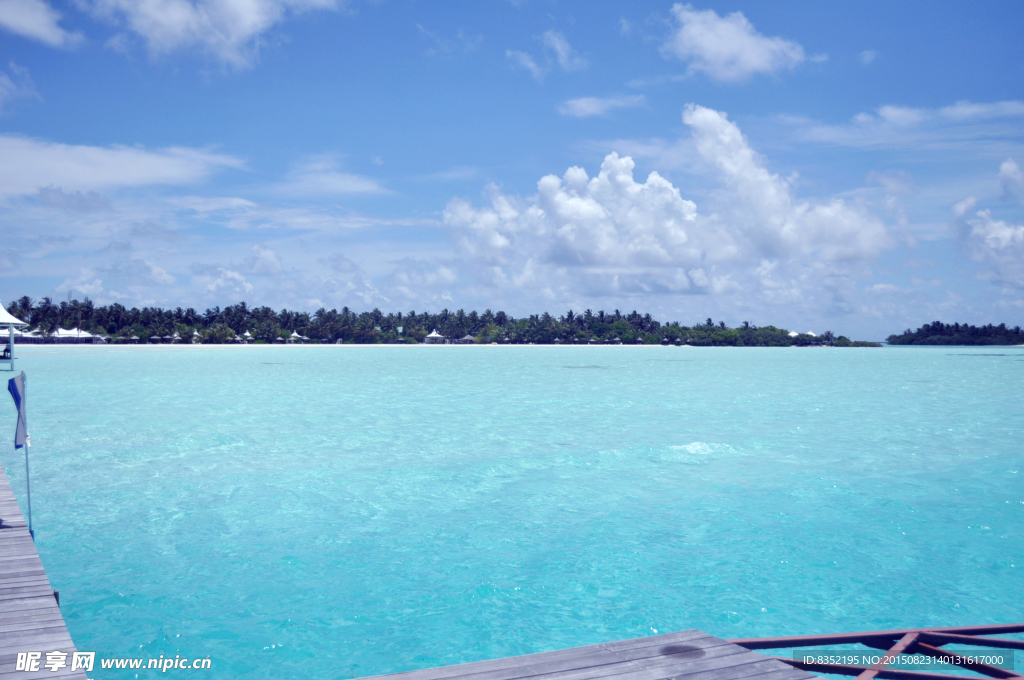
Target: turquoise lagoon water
325,512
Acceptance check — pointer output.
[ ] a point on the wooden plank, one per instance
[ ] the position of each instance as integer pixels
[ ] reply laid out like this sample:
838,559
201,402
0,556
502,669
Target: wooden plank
692,655
554,657
29,579
654,667
30,620
30,623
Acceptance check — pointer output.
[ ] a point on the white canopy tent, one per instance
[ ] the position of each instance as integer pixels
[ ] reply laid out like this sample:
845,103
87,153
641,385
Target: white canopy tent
72,335
9,320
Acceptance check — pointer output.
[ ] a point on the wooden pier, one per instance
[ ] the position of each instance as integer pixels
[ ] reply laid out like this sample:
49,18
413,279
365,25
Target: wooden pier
30,618
689,655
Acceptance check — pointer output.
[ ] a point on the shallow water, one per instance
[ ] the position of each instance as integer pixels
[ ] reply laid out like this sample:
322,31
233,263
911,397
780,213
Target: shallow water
324,512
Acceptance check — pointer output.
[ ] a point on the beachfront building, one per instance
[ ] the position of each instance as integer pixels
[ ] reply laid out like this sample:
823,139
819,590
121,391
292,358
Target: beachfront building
467,339
434,338
11,321
74,336
29,337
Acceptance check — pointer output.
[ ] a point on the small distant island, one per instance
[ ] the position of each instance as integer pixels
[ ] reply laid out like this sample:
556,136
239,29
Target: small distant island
938,333
240,323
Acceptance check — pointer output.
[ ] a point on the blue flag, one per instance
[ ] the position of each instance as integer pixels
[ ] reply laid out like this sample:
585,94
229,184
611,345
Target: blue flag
16,386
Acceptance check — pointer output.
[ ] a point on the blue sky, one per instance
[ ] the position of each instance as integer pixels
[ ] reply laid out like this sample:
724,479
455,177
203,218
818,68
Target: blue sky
853,167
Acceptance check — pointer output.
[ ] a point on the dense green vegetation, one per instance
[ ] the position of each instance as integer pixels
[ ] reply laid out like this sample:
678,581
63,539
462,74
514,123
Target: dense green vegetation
938,333
265,325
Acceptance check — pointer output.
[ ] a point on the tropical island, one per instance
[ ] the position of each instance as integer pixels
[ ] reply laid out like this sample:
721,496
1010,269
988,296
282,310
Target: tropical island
241,323
938,333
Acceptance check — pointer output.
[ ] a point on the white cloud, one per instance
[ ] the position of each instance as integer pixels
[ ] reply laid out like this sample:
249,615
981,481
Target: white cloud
319,176
159,274
997,244
980,128
608,220
74,201
85,284
219,280
612,235
263,261
564,55
964,110
568,58
1012,179
418,280
207,204
17,85
597,106
961,208
444,46
229,30
886,288
727,48
35,19
31,164
762,205
902,115
868,56
524,60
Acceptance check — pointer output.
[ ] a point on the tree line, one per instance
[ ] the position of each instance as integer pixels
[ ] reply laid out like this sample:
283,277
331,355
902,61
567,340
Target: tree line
216,325
938,333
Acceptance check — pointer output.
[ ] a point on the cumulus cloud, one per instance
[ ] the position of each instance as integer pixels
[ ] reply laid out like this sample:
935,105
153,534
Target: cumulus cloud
614,235
341,264
607,220
31,164
763,208
219,280
421,280
85,283
35,19
868,56
597,106
999,245
158,274
263,261
225,29
727,48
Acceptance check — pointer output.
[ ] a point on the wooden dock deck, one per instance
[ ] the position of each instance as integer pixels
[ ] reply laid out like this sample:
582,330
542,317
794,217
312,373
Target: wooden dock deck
689,655
30,620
